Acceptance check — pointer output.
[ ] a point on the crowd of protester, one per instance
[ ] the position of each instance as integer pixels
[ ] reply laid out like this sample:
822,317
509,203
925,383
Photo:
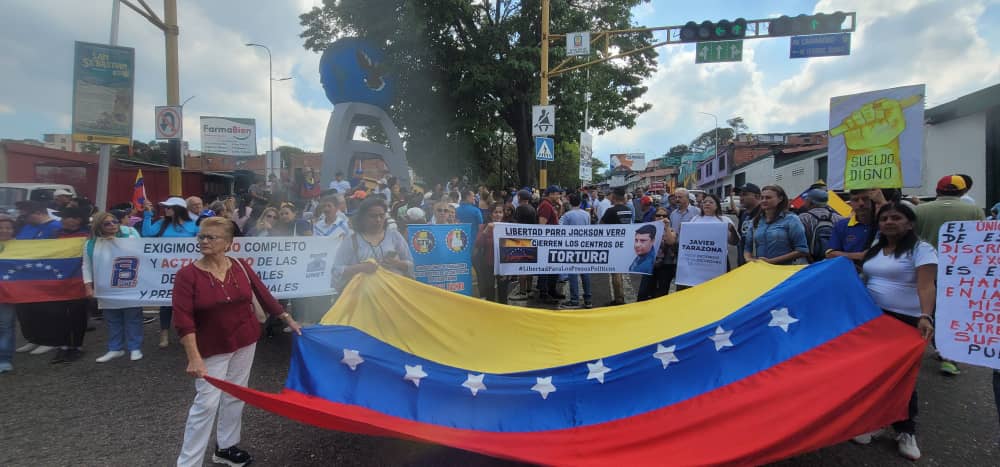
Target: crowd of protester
891,240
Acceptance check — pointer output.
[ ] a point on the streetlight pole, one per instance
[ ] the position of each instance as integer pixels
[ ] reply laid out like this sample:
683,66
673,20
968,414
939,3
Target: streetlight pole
270,108
269,167
716,133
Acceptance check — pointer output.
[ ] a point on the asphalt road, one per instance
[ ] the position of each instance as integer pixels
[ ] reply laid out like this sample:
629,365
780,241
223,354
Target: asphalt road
127,413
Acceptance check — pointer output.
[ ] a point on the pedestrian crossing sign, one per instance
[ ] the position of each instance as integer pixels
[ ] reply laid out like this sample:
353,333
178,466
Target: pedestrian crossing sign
545,149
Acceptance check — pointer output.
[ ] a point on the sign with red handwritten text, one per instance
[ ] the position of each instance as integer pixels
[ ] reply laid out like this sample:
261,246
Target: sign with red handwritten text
968,293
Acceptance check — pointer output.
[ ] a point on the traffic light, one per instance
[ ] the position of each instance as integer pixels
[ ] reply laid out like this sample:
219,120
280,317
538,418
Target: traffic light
717,31
801,25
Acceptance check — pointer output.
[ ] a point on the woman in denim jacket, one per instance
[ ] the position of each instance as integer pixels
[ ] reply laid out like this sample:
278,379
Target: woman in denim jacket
778,236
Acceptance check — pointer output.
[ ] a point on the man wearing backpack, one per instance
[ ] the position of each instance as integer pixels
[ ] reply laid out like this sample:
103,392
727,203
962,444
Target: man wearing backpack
817,219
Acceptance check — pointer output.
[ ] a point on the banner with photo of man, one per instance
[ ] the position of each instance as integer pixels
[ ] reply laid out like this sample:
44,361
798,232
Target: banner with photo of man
442,255
525,249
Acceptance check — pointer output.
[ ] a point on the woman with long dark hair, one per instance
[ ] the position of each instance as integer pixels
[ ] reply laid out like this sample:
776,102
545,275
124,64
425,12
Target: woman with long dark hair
175,223
900,270
371,244
777,235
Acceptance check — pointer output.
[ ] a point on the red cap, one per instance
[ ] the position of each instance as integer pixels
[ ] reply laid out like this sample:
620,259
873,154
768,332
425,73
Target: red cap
646,200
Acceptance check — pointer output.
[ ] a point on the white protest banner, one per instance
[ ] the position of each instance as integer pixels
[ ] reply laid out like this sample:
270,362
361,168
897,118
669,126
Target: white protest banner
702,251
525,249
968,293
140,271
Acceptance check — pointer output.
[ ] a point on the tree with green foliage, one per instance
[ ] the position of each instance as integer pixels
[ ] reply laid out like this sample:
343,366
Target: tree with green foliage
467,73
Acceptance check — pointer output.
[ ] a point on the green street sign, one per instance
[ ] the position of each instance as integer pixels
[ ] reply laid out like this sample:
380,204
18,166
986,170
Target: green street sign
721,51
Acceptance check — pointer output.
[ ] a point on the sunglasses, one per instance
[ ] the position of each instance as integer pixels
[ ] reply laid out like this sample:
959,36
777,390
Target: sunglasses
110,223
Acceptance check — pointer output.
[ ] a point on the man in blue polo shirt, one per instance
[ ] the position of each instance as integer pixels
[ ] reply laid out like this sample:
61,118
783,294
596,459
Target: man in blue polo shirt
853,236
468,213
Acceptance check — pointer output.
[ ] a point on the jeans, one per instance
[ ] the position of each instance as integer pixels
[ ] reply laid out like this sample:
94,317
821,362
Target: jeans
124,327
8,332
574,287
166,316
910,424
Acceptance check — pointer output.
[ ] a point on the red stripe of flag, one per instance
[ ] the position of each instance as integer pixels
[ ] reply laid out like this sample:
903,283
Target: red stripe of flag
15,292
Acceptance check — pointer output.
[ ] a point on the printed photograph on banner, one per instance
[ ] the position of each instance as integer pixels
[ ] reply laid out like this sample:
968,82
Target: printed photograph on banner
967,315
521,249
140,271
877,139
442,255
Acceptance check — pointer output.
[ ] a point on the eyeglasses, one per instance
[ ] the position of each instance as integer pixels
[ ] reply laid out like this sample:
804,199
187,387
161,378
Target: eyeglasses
270,216
204,237
111,223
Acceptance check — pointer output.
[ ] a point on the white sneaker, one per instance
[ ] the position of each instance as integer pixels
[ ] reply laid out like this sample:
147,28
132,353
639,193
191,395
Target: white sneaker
110,356
135,355
27,347
868,437
908,446
41,349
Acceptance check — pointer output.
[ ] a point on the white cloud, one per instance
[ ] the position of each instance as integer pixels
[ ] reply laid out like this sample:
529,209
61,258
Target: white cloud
897,43
6,109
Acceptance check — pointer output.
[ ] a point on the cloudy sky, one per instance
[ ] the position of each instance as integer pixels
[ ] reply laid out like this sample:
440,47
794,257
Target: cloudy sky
953,46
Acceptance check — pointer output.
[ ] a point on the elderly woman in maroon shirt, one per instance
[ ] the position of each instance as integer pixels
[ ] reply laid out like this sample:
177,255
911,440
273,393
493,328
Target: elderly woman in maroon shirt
214,315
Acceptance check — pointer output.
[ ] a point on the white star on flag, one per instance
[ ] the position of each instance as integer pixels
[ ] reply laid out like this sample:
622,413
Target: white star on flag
475,383
29,266
665,354
597,370
721,338
6,278
414,374
38,265
352,359
781,319
544,386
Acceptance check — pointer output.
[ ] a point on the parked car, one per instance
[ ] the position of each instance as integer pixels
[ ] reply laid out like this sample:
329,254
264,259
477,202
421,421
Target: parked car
12,193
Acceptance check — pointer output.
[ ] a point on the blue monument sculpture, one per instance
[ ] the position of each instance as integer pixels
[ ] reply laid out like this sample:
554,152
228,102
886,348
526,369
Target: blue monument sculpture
353,74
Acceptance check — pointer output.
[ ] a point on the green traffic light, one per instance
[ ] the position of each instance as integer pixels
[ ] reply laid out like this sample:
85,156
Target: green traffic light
720,31
814,24
737,30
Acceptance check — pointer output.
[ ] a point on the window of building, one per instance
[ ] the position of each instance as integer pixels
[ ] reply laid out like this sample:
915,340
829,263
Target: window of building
821,168
722,163
708,169
740,179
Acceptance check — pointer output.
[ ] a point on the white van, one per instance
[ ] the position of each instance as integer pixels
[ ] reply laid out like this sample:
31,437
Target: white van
12,193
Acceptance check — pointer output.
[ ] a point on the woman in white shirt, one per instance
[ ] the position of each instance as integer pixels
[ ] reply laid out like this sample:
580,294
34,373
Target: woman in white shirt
124,324
710,212
900,270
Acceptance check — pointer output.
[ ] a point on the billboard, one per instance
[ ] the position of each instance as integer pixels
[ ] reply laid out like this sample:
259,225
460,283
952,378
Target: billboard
229,136
103,87
634,161
877,139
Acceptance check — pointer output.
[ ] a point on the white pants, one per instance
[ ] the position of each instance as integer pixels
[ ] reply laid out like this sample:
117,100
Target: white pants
234,368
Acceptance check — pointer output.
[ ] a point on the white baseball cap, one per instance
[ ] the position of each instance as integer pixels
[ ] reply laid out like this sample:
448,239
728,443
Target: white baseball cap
62,192
415,215
174,202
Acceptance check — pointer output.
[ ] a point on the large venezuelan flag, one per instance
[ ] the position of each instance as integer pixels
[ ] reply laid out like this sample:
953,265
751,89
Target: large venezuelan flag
34,271
758,365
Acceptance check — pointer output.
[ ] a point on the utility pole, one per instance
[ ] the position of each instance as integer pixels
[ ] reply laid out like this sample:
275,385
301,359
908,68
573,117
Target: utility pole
170,33
543,171
104,159
691,32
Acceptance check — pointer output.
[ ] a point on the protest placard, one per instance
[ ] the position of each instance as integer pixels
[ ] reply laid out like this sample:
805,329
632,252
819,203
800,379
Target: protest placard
968,293
442,255
525,249
702,252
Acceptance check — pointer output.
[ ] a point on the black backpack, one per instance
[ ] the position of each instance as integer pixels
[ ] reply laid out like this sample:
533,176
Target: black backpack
819,237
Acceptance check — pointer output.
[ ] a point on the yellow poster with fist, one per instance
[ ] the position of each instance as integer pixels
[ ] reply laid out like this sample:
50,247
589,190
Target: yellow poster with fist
876,139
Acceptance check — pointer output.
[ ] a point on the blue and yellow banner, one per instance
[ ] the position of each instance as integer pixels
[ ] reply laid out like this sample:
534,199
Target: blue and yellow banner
442,255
